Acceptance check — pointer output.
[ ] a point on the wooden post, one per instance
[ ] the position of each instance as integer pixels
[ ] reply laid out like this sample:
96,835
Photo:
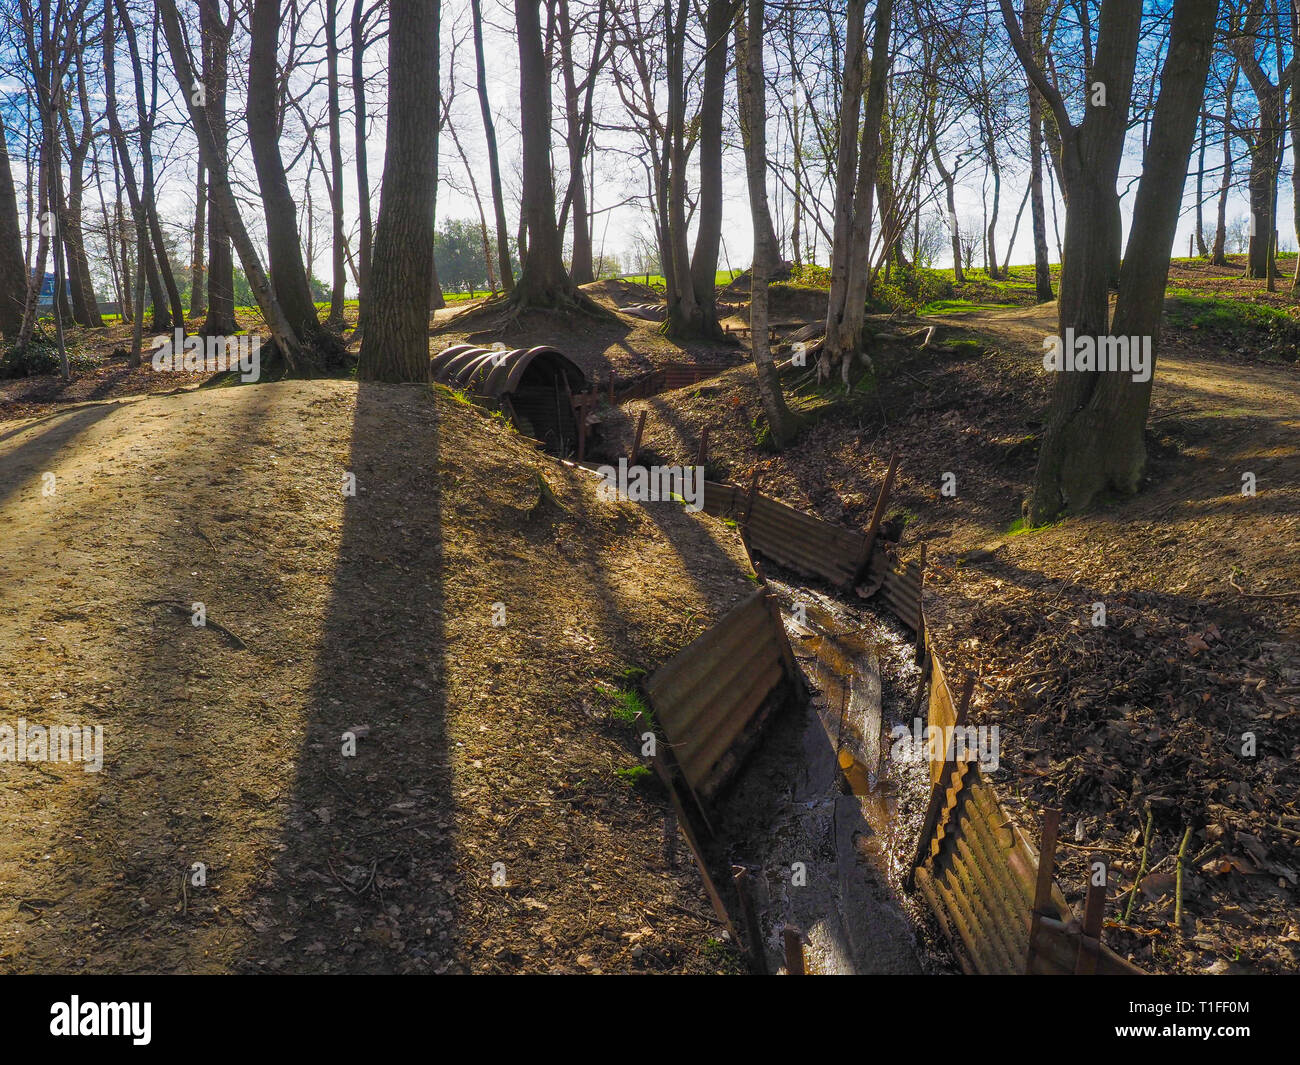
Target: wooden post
877,516
753,933
1094,909
920,606
793,940
636,440
1043,886
611,387
702,456
749,500
580,404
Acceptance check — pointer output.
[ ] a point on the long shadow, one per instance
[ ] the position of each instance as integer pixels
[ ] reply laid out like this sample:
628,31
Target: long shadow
370,836
28,460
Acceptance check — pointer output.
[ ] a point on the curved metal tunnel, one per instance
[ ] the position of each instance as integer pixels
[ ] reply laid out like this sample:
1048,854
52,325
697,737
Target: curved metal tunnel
533,386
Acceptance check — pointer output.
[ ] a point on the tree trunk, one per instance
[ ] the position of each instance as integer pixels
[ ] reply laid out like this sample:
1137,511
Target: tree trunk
1093,438
494,165
683,314
846,165
198,285
287,270
359,147
846,341
1042,268
220,320
1265,147
395,317
339,281
167,306
1295,140
13,272
1201,249
543,282
580,261
748,117
282,331
1217,254
781,423
85,305
1109,449
708,236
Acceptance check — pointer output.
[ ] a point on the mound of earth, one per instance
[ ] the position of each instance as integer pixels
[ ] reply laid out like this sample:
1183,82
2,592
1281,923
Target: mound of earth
621,291
388,748
620,344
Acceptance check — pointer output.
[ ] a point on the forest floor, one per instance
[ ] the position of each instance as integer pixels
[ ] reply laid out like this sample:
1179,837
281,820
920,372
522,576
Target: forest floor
324,862
1201,644
476,744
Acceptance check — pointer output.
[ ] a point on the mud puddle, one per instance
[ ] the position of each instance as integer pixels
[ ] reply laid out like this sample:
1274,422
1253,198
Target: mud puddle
824,819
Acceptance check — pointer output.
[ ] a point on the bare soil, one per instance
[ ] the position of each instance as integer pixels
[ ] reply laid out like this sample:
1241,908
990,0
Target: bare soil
478,747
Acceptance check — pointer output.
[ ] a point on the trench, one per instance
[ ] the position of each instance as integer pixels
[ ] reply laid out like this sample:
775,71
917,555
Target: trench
823,819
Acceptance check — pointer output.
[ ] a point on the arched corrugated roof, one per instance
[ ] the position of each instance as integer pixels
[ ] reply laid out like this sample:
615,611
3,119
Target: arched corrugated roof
495,373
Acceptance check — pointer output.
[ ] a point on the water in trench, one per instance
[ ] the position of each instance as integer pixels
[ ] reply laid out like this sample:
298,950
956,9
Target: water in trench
823,817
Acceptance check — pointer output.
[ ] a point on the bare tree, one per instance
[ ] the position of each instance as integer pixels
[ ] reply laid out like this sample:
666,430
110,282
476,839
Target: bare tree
1093,437
781,423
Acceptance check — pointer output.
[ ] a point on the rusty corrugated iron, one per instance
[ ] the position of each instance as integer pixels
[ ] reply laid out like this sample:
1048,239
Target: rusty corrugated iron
534,386
802,542
716,690
496,372
979,873
650,312
720,499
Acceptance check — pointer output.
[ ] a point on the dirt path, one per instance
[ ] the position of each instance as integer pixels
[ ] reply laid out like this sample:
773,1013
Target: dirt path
231,829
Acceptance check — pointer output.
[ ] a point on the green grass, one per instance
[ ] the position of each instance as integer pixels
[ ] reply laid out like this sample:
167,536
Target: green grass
627,705
962,306
722,277
634,775
1190,311
1020,527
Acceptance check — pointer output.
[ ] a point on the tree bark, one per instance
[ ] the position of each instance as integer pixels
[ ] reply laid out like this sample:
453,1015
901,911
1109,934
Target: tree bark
282,331
339,281
708,235
494,165
1093,435
1042,268
13,272
781,424
1217,254
846,165
543,282
1295,140
220,320
846,340
359,148
395,317
198,278
287,270
1265,146
167,309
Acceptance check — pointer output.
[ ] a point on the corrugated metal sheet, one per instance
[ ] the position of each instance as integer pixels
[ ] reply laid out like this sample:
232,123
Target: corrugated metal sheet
708,695
804,543
651,312
534,386
978,874
720,499
494,372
